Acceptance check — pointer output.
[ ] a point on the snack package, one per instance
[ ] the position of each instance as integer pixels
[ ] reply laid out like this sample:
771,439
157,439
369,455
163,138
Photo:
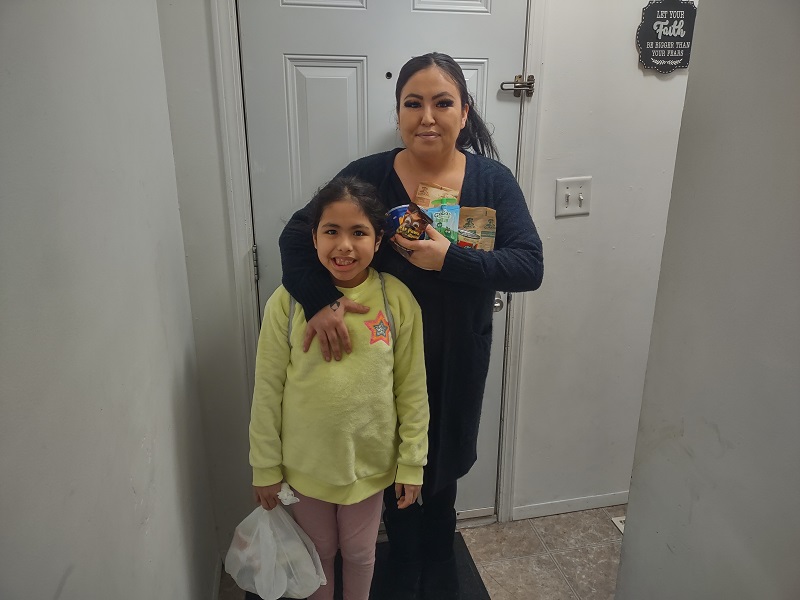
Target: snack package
468,239
428,192
481,221
413,223
444,212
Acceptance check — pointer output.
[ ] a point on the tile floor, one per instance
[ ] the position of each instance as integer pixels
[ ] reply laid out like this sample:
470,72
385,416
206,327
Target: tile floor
573,556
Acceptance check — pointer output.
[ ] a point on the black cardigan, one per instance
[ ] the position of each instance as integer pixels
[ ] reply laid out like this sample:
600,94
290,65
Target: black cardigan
456,301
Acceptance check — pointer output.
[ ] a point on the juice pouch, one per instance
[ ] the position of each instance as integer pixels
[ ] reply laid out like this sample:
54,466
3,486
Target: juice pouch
481,221
427,193
445,212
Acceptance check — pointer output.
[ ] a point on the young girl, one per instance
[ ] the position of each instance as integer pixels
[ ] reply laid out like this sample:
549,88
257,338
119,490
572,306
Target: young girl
340,432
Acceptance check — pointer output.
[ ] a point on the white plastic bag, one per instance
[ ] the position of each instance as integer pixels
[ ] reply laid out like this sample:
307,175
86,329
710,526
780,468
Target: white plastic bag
271,556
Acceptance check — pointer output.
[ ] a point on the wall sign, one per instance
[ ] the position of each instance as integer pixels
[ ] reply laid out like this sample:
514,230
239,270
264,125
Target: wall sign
665,34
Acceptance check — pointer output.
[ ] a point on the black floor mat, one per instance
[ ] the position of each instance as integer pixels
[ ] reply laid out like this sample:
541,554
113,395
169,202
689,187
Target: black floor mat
470,581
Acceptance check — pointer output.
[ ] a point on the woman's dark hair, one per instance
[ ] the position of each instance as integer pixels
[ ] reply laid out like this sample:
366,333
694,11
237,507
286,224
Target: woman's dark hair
475,134
363,194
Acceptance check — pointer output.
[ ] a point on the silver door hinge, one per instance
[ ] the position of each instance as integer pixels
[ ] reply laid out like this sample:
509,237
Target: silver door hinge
255,262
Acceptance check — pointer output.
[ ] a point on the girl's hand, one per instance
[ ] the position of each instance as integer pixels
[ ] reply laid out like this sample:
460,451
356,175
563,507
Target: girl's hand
267,495
328,325
427,254
406,494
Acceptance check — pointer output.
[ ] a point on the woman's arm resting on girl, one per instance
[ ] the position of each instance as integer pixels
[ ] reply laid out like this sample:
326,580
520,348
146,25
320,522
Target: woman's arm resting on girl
328,325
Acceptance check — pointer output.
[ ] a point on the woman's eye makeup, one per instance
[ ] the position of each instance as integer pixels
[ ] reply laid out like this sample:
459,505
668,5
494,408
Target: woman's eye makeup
439,103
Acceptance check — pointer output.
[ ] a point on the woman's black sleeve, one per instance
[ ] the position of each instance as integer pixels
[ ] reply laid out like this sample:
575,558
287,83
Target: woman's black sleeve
516,264
303,275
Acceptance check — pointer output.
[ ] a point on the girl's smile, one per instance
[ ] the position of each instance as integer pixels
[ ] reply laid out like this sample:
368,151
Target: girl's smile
346,242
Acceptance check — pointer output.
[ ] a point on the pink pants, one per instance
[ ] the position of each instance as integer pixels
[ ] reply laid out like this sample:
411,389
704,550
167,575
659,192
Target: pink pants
351,528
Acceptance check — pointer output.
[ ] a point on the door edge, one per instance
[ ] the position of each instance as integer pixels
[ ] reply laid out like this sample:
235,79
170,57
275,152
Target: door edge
225,33
515,317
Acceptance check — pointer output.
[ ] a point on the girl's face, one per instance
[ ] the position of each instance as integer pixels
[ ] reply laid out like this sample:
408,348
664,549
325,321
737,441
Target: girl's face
346,242
431,114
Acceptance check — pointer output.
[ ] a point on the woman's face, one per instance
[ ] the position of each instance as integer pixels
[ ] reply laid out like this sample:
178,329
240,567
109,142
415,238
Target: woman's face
431,114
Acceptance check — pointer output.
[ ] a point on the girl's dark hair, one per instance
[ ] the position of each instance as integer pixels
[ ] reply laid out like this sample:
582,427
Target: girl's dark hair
475,134
363,194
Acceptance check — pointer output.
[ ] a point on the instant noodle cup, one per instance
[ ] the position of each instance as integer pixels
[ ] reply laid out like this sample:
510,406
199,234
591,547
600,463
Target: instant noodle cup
393,218
468,239
413,223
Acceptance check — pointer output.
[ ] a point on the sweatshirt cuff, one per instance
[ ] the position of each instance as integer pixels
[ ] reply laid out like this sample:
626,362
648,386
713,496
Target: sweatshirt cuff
269,476
409,474
315,300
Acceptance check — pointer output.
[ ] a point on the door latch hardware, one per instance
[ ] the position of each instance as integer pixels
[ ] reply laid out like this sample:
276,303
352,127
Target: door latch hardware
518,85
498,302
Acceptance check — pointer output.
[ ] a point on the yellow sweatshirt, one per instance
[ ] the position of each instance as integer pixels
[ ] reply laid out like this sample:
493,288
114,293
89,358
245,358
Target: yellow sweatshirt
341,431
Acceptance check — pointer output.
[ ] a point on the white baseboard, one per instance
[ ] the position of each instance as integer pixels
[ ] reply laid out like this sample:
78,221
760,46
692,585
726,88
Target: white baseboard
475,512
563,506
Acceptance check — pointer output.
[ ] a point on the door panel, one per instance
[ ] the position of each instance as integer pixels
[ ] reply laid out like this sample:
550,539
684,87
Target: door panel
316,88
319,79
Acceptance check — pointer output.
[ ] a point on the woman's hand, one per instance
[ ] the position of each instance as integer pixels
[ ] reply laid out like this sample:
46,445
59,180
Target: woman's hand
328,325
267,495
426,254
406,494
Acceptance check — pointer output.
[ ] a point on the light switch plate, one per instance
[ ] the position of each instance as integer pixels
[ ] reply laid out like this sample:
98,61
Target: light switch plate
573,196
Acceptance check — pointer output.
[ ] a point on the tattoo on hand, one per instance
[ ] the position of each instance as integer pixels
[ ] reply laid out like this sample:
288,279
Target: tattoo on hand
334,305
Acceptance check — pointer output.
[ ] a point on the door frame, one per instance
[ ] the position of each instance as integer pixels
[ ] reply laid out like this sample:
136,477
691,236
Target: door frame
233,137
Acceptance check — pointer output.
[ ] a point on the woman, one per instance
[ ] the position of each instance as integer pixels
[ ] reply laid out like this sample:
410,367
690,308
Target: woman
454,286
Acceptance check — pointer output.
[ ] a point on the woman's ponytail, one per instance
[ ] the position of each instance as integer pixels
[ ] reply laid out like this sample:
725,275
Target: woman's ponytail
476,134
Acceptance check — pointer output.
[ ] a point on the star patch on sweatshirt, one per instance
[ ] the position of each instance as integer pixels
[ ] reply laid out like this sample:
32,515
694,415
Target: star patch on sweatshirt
379,328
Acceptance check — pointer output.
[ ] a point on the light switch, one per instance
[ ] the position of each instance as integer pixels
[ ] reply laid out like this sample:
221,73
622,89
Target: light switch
573,196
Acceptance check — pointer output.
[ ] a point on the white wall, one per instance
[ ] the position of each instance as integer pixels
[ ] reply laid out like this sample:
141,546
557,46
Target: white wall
102,465
713,501
587,329
224,386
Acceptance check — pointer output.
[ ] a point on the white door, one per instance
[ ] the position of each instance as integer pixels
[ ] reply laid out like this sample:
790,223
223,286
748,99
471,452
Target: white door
319,79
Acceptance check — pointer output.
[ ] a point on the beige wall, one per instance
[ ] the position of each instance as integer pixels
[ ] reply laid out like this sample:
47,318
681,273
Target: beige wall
102,461
713,501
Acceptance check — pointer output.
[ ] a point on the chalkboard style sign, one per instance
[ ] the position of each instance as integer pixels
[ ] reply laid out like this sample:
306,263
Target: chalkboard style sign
665,34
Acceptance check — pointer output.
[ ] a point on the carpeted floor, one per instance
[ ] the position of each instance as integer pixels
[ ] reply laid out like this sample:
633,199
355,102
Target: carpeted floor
470,581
